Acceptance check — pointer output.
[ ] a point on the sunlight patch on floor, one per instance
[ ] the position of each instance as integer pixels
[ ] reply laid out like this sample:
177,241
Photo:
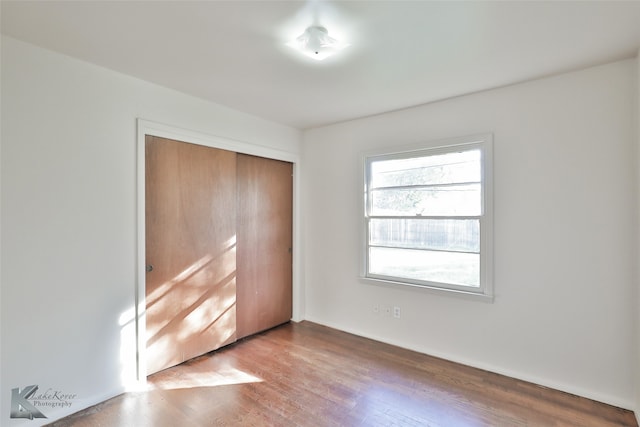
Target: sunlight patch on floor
221,377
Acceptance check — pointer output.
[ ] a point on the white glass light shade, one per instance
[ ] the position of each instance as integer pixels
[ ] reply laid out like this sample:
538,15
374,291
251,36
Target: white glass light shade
316,43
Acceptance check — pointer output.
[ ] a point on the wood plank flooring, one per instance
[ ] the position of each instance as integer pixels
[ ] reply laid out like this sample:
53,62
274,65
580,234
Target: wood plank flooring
304,374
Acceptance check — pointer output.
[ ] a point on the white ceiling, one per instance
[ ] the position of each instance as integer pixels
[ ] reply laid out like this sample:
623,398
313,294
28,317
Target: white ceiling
402,53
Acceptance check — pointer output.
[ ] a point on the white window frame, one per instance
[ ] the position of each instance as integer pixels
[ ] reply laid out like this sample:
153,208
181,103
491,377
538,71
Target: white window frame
483,142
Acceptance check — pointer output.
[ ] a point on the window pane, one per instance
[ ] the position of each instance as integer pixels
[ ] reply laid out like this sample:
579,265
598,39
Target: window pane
451,200
447,168
439,234
443,267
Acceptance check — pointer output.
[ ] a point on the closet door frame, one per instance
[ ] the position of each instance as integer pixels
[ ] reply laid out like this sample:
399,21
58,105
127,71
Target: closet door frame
146,127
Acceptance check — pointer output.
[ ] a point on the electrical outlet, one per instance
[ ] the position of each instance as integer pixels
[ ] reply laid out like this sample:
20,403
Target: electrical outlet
396,312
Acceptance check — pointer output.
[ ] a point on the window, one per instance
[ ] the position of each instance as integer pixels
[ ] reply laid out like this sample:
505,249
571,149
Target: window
428,216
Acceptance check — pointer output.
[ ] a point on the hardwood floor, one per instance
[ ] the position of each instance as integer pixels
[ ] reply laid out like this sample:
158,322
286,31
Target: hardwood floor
304,374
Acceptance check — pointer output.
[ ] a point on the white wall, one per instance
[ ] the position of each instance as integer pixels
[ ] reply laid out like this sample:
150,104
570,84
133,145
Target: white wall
637,252
69,216
1,333
564,175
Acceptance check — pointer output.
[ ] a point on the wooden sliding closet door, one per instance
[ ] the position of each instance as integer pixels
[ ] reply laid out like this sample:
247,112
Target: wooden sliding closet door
190,250
264,230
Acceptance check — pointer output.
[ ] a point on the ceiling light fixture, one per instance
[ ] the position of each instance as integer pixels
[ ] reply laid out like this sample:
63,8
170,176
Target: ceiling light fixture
316,43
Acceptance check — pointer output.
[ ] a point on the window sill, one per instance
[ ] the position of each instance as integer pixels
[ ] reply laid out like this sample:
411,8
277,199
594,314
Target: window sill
430,289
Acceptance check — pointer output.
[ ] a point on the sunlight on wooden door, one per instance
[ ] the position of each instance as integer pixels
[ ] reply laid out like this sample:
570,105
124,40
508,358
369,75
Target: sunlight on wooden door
190,250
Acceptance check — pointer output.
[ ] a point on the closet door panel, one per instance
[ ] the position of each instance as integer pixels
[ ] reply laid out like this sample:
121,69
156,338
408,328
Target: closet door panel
264,232
190,201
